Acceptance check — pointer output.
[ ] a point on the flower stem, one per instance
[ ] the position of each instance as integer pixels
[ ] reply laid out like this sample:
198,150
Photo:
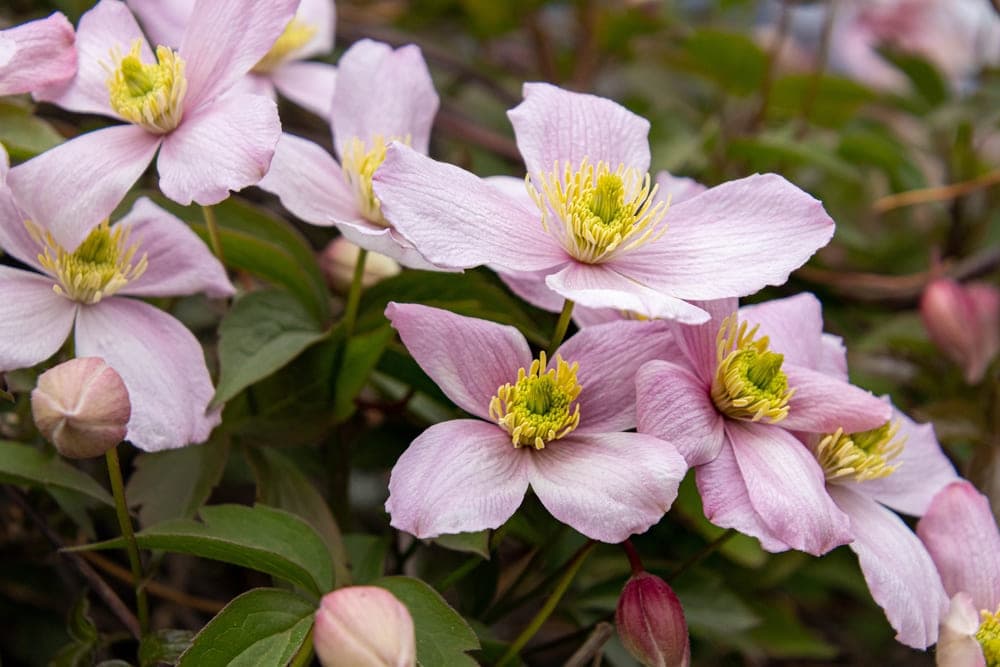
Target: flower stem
213,232
703,554
354,295
633,557
561,326
125,522
571,568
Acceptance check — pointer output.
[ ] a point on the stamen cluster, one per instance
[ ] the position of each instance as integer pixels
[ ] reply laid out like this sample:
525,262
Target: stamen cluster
749,383
296,34
538,408
359,163
148,94
862,456
988,636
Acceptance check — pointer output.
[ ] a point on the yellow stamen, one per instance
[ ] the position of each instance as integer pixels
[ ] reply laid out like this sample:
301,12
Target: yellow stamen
359,163
988,636
596,213
148,94
861,456
749,383
538,408
296,35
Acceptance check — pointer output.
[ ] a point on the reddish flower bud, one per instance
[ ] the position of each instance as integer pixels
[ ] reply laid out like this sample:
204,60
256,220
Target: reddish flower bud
651,623
364,626
341,256
964,322
82,407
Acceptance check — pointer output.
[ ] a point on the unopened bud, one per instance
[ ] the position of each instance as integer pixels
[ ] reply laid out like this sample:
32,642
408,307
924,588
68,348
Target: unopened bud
82,407
964,323
651,623
364,626
341,256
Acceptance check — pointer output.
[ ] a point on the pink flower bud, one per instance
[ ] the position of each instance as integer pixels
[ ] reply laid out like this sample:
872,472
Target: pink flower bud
364,626
82,407
340,257
651,624
964,322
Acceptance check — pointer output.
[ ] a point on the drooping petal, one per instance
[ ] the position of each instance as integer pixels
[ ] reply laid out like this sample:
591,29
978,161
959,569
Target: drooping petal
456,219
731,240
467,357
14,237
900,573
164,22
74,186
794,326
555,126
179,262
310,85
961,535
383,92
458,476
674,405
787,489
163,366
609,356
677,188
532,288
957,645
609,485
36,54
385,241
226,145
34,320
822,404
699,342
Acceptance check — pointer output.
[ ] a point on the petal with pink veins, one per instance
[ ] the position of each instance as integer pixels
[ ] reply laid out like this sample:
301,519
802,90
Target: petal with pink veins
822,404
676,188
794,326
164,22
833,359
310,85
385,241
699,342
34,320
37,54
531,287
14,237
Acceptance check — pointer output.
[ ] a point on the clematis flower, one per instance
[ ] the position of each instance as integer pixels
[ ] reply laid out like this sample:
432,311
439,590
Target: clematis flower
730,400
209,142
598,231
961,535
382,95
84,292
555,425
36,54
284,68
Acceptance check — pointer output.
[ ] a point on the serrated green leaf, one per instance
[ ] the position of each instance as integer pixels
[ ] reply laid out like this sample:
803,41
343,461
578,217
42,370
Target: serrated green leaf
23,134
21,464
362,354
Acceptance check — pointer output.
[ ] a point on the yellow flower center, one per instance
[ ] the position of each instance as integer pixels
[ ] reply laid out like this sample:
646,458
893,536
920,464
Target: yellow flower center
296,34
595,212
98,268
148,94
359,163
862,456
749,383
988,636
538,408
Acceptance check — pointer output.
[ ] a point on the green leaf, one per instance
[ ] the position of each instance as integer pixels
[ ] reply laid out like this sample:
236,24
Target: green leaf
262,333
163,646
782,635
836,100
21,464
767,152
443,636
927,80
24,134
362,354
474,543
261,538
366,554
732,60
261,628
83,635
711,609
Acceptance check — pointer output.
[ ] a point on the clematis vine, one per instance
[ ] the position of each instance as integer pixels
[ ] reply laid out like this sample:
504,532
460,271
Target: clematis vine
382,95
598,231
84,293
210,138
37,54
554,424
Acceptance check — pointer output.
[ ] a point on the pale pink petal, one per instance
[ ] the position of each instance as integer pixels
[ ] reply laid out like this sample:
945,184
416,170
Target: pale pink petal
985,300
698,342
900,573
833,360
163,366
164,22
531,287
226,145
383,92
676,189
310,85
385,241
555,126
794,326
961,535
599,286
731,240
822,404
514,188
179,262
609,356
957,645
467,357
458,476
14,237
674,405
74,186
456,219
588,317
34,320
607,486
225,39
787,488
320,15
36,54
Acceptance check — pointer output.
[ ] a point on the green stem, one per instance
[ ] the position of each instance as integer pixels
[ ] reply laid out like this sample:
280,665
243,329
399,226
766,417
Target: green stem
572,567
125,522
561,326
703,554
354,295
213,232
304,655
458,573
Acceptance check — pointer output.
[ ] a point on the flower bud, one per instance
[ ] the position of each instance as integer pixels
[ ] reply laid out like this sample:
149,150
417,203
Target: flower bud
340,257
964,323
651,623
82,407
364,626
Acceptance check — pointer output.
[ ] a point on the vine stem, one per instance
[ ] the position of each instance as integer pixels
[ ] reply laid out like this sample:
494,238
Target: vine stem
633,557
131,546
561,326
214,239
354,295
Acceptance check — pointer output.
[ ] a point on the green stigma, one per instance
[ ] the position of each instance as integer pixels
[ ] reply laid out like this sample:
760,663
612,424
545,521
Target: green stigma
148,94
296,34
749,383
538,408
860,456
988,636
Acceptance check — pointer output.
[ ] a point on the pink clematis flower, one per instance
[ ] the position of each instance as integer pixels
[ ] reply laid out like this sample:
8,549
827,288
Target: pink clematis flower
555,425
597,229
964,323
962,537
210,140
148,253
382,95
285,67
36,54
730,401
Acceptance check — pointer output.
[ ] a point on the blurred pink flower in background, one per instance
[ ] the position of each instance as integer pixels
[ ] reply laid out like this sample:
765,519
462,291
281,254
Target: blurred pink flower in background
964,322
36,54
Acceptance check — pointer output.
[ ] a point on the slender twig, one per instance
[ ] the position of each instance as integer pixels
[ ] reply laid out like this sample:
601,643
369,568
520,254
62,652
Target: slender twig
214,239
773,56
542,44
561,326
155,588
703,554
592,646
936,194
131,546
457,125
